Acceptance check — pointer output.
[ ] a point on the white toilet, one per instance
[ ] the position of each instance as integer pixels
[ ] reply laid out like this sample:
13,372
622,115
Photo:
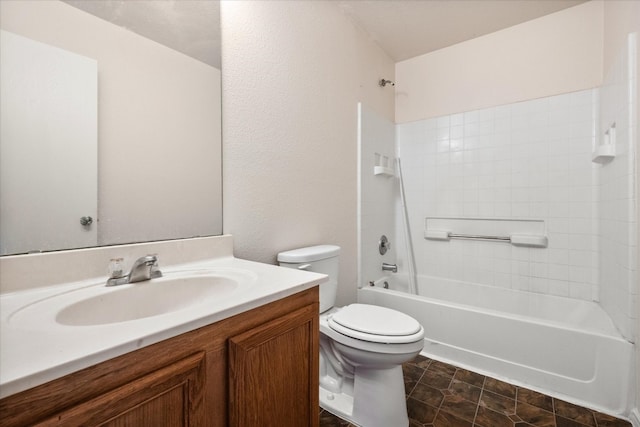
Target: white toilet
362,348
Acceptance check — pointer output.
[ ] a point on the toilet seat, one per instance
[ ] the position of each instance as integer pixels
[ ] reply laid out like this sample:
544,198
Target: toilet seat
376,324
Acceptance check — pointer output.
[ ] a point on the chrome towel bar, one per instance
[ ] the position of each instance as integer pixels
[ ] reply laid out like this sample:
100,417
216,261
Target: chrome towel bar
478,237
540,241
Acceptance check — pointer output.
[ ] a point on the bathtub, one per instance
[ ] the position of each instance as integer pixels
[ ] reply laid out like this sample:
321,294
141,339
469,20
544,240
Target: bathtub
559,346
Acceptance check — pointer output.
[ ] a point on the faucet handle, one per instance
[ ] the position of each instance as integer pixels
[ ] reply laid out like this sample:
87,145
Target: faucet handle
115,268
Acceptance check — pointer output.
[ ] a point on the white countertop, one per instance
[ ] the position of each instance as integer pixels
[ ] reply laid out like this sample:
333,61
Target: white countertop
39,350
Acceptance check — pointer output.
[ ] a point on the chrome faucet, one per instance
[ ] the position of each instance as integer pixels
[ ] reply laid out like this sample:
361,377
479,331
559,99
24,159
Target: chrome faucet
145,268
389,267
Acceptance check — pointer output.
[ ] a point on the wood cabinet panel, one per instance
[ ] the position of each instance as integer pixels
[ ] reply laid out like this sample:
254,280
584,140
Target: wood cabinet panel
282,357
169,397
165,411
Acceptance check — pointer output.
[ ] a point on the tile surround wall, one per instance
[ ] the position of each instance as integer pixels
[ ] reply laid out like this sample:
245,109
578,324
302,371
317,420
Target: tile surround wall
617,208
524,160
376,214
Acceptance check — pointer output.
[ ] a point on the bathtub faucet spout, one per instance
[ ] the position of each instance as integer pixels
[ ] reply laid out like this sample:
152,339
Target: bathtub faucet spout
389,267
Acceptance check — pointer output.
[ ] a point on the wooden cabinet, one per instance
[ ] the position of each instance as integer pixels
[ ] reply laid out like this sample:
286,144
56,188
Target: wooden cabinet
167,397
279,356
258,368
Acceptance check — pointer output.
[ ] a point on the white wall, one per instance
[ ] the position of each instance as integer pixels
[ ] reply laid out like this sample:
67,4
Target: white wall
158,124
292,74
557,53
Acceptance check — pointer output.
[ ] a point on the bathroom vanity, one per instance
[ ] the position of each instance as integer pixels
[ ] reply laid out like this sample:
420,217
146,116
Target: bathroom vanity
250,360
255,368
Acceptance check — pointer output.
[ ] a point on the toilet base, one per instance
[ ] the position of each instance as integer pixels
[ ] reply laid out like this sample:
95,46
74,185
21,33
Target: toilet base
339,404
380,401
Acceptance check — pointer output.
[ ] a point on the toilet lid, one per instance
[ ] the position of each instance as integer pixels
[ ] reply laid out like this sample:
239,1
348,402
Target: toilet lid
377,324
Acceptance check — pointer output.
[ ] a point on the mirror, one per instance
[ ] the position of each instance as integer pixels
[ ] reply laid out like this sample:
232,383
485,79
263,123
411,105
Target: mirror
155,165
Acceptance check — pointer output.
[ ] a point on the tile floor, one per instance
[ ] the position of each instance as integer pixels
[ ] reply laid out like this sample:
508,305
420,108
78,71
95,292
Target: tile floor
440,395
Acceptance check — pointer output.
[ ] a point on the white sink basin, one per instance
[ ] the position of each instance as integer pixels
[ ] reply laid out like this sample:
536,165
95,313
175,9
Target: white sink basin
145,299
98,304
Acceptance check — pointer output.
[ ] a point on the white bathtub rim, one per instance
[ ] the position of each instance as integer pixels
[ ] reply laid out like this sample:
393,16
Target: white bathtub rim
613,333
605,322
634,418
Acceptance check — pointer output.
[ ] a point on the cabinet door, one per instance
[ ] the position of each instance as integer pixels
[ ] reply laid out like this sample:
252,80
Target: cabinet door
171,397
273,372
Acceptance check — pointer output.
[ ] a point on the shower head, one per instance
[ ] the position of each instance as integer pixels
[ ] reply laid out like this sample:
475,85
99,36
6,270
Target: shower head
383,82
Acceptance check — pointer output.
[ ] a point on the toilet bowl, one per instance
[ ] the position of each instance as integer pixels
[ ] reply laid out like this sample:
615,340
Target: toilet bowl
362,348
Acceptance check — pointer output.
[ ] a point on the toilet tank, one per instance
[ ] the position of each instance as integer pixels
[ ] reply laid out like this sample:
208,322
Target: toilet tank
319,259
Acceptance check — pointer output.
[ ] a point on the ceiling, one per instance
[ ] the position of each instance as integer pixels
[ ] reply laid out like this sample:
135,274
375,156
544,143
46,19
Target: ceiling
408,28
402,28
188,26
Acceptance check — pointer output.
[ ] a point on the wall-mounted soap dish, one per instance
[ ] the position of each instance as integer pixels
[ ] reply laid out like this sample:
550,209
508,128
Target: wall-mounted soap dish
605,151
383,165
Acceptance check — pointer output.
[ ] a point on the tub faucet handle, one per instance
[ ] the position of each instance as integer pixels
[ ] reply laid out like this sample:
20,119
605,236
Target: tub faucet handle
384,245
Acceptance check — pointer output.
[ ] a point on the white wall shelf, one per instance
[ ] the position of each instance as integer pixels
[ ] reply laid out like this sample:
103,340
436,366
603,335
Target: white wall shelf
605,151
382,170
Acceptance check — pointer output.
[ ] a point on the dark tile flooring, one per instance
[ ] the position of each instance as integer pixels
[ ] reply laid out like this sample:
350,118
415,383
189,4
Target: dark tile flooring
442,395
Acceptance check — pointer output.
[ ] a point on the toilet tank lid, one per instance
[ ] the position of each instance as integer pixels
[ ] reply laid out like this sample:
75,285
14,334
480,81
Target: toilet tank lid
312,253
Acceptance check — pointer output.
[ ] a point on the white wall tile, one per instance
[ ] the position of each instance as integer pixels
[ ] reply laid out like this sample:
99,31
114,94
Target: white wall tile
558,287
525,160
